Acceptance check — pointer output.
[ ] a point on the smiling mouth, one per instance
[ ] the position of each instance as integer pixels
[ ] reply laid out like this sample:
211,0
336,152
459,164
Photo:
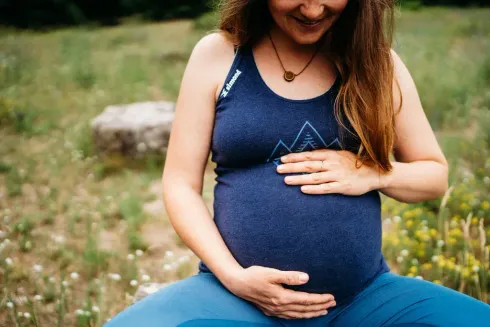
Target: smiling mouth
307,22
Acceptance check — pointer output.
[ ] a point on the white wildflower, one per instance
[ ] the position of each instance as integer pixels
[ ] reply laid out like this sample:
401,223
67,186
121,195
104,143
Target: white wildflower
419,277
387,221
476,268
95,308
130,256
435,258
38,297
404,252
74,275
65,283
139,252
397,219
37,268
8,261
27,315
79,312
10,304
145,278
52,279
415,261
399,259
169,253
440,243
134,282
115,277
167,267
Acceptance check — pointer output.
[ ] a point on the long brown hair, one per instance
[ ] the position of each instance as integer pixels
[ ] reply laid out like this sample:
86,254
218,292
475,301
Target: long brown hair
359,44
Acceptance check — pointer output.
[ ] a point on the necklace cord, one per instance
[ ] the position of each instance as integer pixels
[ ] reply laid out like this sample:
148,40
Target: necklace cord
280,61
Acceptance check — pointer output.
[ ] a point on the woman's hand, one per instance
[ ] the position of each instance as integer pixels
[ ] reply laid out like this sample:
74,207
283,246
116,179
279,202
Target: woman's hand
262,286
330,171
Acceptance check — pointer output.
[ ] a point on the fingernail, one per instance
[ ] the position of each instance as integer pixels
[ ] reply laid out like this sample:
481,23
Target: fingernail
324,312
303,277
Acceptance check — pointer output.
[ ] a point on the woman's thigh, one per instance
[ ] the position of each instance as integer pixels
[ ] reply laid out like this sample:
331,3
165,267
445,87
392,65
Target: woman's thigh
395,300
198,300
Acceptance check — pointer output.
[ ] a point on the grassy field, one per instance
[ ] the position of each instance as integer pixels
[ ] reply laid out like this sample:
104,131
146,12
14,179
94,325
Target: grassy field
78,231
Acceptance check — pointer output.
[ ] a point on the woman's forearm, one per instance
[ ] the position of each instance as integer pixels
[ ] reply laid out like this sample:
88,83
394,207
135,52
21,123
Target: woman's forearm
191,220
414,181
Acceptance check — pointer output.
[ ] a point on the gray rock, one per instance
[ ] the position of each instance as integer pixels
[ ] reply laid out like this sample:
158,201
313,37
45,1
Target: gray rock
147,289
134,129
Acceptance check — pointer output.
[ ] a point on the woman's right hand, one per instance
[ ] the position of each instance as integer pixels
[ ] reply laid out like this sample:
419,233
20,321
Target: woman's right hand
262,286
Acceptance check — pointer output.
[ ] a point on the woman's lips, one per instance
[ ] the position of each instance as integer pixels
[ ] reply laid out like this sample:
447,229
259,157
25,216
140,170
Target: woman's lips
308,24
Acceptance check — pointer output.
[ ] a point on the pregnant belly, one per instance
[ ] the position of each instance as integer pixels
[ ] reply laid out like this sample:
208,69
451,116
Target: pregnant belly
334,238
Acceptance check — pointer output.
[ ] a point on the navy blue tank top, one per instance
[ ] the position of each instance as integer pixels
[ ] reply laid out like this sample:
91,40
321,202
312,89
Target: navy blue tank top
335,238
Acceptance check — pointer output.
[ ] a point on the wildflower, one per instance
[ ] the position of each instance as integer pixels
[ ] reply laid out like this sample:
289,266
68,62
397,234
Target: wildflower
87,313
440,243
415,261
95,308
435,258
184,258
139,252
410,275
74,275
404,252
115,277
133,283
10,304
409,223
169,253
437,281
8,261
79,312
167,267
145,278
419,277
130,257
37,268
27,315
38,297
399,259
485,205
65,283
52,279
476,268
397,219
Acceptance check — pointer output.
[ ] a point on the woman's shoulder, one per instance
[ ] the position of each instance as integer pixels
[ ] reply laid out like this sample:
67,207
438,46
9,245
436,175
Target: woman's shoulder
214,54
214,47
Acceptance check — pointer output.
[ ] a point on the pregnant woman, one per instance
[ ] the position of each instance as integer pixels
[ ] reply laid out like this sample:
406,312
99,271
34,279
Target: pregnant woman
301,103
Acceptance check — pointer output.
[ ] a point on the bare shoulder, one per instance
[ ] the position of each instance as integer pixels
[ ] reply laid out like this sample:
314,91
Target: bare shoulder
213,56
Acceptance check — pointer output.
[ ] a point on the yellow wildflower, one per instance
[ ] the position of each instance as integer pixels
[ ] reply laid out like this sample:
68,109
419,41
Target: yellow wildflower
437,281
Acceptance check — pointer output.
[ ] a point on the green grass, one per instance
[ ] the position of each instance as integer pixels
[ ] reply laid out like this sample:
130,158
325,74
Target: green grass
68,209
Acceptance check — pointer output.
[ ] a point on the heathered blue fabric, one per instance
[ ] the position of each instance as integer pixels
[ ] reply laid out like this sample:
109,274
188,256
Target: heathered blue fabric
335,238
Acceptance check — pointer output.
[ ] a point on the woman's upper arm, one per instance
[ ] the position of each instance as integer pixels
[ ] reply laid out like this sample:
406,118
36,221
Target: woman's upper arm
190,137
415,138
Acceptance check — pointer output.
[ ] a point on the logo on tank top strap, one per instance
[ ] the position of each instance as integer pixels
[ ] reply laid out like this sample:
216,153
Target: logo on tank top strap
228,85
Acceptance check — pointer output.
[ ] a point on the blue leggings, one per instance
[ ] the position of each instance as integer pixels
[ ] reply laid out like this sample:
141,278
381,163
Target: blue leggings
390,300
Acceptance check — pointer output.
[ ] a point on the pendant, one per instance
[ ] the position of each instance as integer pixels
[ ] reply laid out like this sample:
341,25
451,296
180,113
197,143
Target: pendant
289,75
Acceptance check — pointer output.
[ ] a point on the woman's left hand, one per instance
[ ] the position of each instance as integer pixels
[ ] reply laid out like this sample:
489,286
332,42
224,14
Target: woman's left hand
330,171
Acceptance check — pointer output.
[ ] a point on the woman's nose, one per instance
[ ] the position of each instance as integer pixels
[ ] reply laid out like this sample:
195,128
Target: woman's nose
313,10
